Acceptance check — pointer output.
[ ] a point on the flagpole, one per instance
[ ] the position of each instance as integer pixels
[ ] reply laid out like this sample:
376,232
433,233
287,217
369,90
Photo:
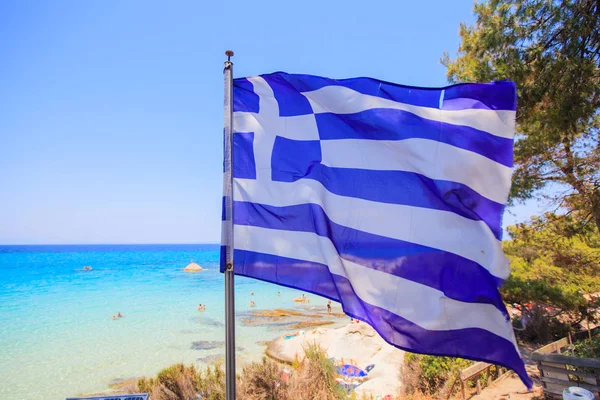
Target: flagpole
228,232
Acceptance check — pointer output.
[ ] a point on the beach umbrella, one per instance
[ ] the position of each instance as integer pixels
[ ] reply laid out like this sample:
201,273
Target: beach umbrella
351,371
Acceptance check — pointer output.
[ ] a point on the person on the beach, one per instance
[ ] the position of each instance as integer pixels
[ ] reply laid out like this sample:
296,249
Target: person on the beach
329,307
252,304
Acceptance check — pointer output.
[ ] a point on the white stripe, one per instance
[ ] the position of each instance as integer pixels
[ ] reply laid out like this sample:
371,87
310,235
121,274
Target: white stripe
246,122
267,104
441,230
420,304
342,100
299,127
433,159
263,140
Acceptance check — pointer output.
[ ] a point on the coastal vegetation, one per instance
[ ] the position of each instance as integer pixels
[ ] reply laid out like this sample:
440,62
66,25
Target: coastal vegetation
428,375
555,263
589,348
313,378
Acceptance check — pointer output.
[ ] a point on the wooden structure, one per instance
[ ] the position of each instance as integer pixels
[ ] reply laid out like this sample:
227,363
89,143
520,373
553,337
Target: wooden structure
559,369
474,371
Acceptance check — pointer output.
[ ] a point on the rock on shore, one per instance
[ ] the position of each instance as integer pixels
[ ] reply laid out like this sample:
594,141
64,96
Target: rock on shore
193,267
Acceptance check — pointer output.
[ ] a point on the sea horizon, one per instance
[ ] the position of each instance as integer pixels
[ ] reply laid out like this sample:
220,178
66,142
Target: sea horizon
107,244
56,327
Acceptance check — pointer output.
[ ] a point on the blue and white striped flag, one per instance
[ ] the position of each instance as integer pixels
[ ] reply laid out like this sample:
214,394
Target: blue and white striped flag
386,198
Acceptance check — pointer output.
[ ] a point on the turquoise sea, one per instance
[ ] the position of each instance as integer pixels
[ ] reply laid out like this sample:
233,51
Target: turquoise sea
57,337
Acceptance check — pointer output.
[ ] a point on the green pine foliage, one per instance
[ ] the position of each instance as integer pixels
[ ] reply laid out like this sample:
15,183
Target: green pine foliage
551,50
555,260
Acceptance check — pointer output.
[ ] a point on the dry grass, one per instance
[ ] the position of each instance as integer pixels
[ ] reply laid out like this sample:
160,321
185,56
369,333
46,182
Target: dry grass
313,378
262,381
180,382
172,383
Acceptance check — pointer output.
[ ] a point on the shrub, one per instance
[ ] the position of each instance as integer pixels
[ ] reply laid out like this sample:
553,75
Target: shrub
428,374
262,381
211,383
315,378
587,348
180,382
177,382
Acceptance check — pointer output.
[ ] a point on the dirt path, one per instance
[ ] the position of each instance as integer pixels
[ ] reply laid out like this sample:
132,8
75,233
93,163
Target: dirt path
510,387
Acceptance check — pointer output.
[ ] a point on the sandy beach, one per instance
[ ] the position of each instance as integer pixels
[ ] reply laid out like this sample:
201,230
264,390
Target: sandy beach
354,344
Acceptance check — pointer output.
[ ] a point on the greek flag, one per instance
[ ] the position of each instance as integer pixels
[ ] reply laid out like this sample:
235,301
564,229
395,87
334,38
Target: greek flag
383,197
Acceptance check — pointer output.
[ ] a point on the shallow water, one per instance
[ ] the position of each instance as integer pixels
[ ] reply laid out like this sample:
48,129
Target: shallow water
57,337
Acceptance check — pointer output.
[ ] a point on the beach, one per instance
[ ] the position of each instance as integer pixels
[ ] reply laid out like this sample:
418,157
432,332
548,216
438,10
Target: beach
58,337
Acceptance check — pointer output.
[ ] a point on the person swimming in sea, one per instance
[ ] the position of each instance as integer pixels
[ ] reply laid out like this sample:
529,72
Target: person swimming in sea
278,294
201,307
252,304
119,315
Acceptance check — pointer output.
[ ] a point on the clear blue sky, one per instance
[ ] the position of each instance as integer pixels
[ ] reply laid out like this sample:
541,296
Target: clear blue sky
111,112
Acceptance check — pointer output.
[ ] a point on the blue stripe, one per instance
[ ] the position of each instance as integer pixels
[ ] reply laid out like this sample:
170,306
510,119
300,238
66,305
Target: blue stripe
472,343
460,97
244,98
244,165
222,256
455,276
388,124
291,102
304,275
394,187
493,96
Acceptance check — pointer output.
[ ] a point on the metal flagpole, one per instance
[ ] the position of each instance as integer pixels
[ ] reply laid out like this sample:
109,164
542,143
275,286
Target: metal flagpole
228,232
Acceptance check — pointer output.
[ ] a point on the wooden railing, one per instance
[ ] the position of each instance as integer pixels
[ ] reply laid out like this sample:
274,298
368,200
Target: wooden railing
559,369
474,371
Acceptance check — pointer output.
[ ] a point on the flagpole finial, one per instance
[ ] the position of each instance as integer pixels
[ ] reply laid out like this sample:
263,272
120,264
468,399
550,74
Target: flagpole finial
229,54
